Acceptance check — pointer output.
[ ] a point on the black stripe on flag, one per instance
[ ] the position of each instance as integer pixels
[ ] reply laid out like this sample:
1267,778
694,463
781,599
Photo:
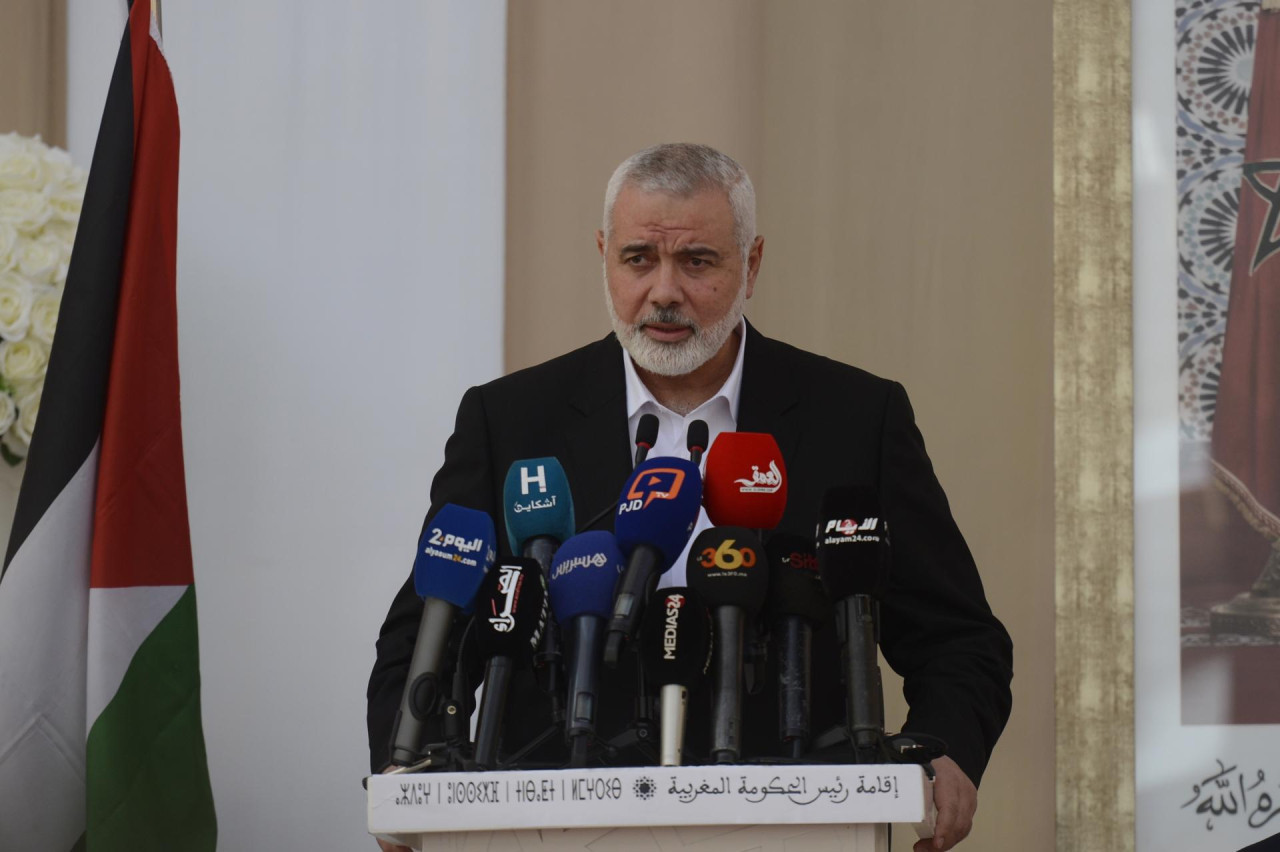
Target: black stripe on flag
75,386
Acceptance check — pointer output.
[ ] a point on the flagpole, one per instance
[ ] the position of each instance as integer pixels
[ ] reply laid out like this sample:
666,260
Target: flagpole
155,16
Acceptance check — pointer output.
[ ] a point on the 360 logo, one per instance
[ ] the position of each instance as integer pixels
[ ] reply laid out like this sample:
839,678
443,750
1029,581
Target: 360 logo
728,558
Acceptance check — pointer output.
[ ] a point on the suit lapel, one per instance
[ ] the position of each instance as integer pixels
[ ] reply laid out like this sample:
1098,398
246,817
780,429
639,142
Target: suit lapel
597,441
769,395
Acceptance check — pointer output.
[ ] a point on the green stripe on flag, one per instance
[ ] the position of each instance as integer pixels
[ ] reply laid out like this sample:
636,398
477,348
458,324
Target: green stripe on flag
148,778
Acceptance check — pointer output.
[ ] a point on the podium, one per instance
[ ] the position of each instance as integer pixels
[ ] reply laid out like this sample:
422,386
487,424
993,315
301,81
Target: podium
719,808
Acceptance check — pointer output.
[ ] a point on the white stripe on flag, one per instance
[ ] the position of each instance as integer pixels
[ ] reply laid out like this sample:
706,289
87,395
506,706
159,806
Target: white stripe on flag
44,602
119,619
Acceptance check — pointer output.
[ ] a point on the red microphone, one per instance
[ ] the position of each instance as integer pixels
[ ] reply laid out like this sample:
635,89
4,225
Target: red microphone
746,481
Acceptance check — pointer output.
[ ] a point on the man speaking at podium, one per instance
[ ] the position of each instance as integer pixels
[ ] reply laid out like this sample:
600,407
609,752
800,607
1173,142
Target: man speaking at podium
681,256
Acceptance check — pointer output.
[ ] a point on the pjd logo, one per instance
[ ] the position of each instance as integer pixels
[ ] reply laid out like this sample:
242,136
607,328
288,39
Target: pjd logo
661,483
851,526
761,481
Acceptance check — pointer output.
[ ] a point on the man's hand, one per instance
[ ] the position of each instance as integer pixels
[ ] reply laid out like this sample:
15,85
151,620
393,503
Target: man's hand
956,799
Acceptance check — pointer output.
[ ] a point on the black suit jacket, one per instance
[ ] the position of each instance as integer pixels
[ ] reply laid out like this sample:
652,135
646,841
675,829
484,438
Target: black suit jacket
836,425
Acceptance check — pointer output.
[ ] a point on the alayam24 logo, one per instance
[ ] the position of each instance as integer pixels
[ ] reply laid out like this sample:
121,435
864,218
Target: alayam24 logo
849,526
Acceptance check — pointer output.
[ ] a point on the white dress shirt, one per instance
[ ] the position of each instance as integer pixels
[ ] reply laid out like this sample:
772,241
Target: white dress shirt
720,414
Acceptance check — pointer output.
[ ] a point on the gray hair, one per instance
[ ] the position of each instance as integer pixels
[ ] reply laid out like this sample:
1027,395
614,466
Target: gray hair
683,169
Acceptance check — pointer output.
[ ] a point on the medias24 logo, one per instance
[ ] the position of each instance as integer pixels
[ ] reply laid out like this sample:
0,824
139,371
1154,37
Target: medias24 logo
670,629
661,483
761,481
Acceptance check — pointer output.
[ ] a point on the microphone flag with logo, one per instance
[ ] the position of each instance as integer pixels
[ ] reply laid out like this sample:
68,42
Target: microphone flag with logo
746,481
675,651
456,549
853,552
511,613
853,543
536,502
583,576
656,514
729,570
796,605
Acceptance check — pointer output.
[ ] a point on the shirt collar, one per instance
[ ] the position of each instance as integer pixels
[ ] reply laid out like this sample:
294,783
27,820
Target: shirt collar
638,395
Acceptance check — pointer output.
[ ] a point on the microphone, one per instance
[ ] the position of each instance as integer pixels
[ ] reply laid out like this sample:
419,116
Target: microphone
728,569
656,514
746,481
509,620
646,436
454,552
675,651
852,560
537,510
581,582
696,440
796,604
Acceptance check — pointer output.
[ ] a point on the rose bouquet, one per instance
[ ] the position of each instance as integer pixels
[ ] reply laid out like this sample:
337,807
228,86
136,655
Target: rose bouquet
40,196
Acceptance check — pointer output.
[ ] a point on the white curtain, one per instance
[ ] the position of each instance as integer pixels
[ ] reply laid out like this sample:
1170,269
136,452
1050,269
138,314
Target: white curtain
340,274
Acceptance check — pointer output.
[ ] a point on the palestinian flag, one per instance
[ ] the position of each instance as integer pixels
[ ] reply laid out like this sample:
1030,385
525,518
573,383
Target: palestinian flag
101,746
1246,425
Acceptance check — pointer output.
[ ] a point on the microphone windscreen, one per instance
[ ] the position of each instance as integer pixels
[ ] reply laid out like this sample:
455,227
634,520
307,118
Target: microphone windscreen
511,609
698,435
536,502
647,430
746,481
728,567
795,587
659,506
455,550
853,542
675,637
583,575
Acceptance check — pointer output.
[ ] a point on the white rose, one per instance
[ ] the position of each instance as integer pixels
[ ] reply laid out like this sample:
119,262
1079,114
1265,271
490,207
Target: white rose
28,410
22,168
16,298
44,315
8,242
23,209
38,259
67,198
8,411
23,360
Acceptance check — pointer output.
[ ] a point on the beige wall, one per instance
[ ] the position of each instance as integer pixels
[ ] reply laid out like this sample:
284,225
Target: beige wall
902,155
33,66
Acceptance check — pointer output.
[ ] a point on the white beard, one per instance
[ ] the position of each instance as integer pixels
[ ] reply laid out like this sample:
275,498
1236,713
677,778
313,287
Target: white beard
683,356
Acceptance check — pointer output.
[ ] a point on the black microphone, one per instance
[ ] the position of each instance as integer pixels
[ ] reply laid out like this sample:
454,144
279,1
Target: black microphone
728,569
511,613
796,605
853,553
696,440
675,651
646,436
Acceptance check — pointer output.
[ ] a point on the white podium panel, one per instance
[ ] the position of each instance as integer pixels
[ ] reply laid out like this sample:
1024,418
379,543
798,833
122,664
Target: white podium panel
722,808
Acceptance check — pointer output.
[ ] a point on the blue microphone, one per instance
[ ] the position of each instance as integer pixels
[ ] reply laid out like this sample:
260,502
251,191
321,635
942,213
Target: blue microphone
537,509
583,575
456,549
656,514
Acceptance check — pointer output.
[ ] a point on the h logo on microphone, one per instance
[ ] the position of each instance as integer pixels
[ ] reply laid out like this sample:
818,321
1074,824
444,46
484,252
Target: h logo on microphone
526,480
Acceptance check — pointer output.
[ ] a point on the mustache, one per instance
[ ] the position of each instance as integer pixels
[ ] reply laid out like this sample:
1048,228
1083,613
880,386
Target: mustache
667,316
